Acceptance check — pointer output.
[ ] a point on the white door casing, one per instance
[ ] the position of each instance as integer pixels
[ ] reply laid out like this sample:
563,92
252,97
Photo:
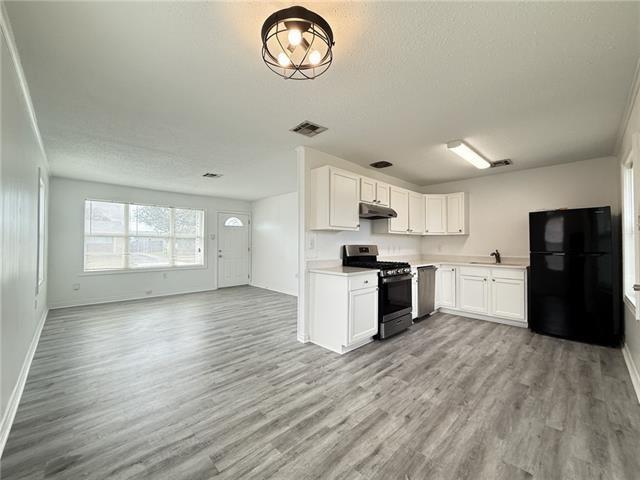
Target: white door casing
635,159
233,249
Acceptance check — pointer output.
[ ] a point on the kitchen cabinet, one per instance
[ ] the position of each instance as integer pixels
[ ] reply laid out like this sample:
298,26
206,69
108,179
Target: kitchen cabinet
399,201
473,291
446,286
343,309
435,214
416,213
363,314
372,191
335,198
496,294
508,292
456,214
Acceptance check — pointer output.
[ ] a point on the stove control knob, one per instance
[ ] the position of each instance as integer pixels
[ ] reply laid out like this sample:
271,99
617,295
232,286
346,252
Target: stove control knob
391,272
407,270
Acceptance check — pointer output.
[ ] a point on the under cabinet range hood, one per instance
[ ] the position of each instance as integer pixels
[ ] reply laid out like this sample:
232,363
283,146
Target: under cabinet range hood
375,212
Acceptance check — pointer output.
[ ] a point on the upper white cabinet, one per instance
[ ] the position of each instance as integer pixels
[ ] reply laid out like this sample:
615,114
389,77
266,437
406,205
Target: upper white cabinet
399,201
456,214
335,198
382,194
435,214
335,195
372,191
416,213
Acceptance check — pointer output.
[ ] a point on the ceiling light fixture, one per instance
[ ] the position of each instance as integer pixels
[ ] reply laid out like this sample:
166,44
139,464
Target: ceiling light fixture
297,43
469,154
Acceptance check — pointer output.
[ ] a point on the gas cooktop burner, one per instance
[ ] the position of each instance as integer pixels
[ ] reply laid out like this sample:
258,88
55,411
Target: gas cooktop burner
364,256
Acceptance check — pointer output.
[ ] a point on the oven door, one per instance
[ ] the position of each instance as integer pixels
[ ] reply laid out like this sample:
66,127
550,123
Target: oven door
394,295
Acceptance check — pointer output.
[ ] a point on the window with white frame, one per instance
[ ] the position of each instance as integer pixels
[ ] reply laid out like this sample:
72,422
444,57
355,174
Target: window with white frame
628,231
127,236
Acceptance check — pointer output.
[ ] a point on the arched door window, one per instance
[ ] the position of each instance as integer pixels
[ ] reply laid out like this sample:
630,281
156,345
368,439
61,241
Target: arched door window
233,222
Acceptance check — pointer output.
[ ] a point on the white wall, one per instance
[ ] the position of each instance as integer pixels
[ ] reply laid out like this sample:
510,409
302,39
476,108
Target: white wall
499,204
66,245
274,243
22,309
631,325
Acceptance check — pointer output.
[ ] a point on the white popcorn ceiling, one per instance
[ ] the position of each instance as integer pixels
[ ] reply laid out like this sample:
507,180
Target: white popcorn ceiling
156,94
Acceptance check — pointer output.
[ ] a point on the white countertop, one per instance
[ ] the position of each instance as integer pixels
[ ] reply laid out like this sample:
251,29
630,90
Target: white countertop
344,271
457,261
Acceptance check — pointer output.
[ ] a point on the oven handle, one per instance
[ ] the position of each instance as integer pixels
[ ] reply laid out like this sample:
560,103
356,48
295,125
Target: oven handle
399,278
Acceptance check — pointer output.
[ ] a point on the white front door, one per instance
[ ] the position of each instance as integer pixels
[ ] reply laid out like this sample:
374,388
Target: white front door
233,249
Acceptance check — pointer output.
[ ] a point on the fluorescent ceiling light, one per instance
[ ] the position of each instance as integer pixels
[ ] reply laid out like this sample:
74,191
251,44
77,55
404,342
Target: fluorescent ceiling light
469,154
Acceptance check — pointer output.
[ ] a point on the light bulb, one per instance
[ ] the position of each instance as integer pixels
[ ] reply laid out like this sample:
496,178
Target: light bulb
295,36
315,57
283,60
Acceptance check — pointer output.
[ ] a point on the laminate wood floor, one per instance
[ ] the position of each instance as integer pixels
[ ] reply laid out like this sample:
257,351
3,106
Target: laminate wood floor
215,385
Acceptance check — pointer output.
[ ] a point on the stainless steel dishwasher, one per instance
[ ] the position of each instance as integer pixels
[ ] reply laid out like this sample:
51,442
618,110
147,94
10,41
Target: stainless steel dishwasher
426,290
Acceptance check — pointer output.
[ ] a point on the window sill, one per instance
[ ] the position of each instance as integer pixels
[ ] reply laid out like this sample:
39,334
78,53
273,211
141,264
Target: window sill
141,270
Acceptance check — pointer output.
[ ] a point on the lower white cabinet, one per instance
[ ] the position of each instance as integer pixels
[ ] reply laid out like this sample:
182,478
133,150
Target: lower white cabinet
446,286
363,314
490,293
508,295
473,290
414,294
343,309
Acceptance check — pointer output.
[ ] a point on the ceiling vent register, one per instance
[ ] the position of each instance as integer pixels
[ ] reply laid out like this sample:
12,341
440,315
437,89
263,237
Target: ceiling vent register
382,164
308,129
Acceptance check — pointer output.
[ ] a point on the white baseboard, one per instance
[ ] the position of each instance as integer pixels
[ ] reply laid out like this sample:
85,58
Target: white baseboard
303,338
486,318
633,370
14,400
96,301
286,292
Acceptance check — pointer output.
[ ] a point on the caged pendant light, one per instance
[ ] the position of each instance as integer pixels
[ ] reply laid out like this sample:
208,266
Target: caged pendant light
297,43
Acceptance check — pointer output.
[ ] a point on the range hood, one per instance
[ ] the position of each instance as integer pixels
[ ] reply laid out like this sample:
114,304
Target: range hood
374,212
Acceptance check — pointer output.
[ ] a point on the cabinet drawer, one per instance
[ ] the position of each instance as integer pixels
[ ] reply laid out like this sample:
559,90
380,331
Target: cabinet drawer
514,274
474,271
363,281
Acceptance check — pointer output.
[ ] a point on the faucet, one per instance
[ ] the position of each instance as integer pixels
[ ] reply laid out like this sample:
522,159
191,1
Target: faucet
497,255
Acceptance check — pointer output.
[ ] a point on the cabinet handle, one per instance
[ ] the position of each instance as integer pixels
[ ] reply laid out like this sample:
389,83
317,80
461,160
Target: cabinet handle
485,279
460,230
366,281
493,279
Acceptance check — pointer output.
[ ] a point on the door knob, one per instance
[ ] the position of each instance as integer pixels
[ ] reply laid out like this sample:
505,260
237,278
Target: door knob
219,255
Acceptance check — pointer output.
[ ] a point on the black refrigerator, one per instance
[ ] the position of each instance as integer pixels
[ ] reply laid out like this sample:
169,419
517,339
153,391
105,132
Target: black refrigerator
574,276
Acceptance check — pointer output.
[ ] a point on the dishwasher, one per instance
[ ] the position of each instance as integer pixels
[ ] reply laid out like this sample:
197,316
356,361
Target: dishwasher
426,291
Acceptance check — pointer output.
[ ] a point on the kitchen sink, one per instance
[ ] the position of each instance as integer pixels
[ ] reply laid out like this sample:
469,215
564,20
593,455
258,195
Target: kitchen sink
486,263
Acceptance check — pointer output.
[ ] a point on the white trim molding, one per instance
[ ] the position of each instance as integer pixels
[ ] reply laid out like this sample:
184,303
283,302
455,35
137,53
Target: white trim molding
7,34
631,100
18,389
633,370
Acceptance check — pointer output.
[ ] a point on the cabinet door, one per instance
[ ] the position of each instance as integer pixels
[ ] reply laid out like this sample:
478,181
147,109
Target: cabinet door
508,298
399,201
367,190
416,213
446,287
473,294
345,197
436,214
455,213
363,314
382,194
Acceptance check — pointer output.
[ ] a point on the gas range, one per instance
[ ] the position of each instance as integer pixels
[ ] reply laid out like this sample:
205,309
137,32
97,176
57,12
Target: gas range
394,287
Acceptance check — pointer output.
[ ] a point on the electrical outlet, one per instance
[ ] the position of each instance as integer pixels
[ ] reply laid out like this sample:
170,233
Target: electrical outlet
76,286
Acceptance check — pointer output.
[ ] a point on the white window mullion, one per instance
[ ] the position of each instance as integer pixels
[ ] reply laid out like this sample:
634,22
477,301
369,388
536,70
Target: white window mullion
172,237
126,235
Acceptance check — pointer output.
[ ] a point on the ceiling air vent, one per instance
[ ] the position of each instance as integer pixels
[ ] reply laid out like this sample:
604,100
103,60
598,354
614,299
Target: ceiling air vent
308,129
501,163
381,164
212,175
